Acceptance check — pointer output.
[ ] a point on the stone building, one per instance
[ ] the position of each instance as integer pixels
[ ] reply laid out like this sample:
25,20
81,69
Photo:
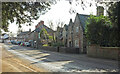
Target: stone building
76,33
32,37
70,34
23,36
59,35
79,40
65,34
43,34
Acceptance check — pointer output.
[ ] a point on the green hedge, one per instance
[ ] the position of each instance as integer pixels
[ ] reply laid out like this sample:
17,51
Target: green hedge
99,30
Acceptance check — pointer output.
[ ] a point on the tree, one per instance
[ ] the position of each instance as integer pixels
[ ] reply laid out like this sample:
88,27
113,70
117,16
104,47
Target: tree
52,28
0,31
102,34
97,30
22,12
44,36
11,34
19,30
114,15
60,23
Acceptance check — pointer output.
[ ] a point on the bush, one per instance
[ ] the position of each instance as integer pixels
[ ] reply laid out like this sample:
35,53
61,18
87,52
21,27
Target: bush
57,44
45,45
49,43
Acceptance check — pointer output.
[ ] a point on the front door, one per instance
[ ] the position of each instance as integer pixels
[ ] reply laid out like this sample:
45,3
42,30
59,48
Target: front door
70,44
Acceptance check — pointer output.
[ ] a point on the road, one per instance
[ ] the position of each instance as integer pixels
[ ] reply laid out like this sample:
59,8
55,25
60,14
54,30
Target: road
12,63
60,62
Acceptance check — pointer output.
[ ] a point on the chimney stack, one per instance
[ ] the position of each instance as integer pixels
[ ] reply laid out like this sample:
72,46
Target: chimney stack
100,10
29,30
41,23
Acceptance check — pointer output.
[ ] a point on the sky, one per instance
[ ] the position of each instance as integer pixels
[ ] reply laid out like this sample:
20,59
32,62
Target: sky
59,11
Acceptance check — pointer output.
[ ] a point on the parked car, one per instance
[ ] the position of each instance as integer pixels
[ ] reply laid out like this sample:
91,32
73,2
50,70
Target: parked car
22,44
12,41
27,44
8,41
18,42
15,42
31,43
0,41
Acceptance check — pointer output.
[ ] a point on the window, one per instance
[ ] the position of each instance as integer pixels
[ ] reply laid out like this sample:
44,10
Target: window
77,43
77,28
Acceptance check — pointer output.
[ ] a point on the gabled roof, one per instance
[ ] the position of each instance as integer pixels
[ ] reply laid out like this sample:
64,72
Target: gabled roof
37,29
44,26
31,32
70,22
66,27
23,33
83,18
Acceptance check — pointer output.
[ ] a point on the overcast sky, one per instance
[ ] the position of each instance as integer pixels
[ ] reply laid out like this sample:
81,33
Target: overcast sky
59,11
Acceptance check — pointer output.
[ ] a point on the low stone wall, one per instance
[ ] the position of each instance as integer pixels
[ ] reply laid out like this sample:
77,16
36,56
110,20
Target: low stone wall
103,52
69,50
60,49
48,48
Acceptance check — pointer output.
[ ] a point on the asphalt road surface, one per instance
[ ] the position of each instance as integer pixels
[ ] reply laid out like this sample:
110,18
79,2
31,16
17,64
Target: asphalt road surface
12,63
57,62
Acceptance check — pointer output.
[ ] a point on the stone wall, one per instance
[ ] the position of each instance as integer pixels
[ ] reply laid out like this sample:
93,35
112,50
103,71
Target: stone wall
48,48
103,52
61,49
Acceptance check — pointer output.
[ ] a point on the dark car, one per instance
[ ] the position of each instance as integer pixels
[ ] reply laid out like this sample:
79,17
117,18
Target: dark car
12,41
18,42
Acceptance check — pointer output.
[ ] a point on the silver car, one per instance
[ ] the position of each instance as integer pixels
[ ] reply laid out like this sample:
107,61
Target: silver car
27,44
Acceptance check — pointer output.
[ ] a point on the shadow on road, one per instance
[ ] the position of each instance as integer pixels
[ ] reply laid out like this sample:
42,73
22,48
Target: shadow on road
70,62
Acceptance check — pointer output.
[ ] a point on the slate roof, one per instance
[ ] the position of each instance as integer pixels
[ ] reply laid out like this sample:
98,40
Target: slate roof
23,33
37,29
31,32
66,27
43,26
83,18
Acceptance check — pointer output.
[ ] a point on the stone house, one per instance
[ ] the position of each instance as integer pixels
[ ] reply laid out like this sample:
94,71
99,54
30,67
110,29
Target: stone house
59,35
79,40
65,34
42,37
32,37
70,34
23,36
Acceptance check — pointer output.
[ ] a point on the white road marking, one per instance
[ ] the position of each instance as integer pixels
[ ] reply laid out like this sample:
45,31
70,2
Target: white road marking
27,67
15,68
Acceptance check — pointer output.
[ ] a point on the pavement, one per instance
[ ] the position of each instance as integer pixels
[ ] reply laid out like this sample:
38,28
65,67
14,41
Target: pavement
12,63
61,62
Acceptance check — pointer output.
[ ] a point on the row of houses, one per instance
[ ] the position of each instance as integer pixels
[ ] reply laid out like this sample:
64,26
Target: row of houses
71,35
